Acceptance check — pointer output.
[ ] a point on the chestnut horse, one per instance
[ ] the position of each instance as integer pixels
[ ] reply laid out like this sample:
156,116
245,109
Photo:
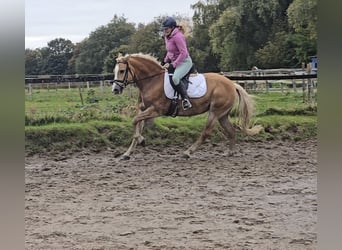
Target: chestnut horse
222,94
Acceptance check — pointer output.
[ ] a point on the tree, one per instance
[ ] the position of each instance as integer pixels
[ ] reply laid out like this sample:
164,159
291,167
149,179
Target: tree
293,38
110,60
33,59
147,39
56,56
95,49
72,61
224,39
199,43
303,17
241,29
276,53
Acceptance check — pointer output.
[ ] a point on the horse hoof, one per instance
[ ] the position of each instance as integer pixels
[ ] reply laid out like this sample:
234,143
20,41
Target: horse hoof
186,155
125,157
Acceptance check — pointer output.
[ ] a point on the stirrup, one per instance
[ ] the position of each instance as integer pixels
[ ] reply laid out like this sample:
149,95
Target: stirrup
186,104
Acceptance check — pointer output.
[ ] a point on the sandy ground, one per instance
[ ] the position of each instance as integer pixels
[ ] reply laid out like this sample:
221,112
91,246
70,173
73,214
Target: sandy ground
262,197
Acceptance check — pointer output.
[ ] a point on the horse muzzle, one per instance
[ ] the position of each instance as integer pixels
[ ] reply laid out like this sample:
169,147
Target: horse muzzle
117,88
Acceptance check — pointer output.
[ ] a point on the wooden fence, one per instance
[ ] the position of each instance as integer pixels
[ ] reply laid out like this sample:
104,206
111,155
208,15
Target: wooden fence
255,80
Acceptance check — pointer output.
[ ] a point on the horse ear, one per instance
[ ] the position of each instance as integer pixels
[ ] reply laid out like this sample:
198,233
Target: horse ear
119,57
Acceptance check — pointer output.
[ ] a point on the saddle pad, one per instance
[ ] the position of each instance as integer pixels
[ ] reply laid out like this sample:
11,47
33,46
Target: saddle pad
197,86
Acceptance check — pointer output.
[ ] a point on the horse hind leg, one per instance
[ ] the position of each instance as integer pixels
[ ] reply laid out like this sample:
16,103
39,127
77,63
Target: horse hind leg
229,131
204,135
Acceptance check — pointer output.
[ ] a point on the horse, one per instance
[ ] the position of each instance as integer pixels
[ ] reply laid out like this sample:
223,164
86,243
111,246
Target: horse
222,95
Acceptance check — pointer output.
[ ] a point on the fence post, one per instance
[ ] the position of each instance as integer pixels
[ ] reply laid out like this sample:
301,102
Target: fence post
266,82
310,87
304,84
101,87
310,91
282,87
79,90
30,90
294,85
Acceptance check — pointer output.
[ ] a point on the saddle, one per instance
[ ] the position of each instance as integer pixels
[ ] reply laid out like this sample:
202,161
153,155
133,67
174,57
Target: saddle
173,109
185,78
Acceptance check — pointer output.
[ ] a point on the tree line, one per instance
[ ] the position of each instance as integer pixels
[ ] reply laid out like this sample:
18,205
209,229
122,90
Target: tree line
222,35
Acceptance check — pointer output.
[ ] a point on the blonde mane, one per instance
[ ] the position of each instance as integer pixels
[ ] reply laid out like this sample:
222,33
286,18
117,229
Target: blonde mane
141,55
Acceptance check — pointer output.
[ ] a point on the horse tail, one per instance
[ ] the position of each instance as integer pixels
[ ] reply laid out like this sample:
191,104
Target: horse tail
246,110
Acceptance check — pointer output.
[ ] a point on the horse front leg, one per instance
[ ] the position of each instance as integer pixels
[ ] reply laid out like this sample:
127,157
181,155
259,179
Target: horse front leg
139,122
137,139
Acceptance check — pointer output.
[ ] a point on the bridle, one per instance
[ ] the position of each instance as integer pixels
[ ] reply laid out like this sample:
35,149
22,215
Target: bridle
124,82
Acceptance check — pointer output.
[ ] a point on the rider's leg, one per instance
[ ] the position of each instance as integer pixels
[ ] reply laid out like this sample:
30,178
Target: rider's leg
179,73
185,98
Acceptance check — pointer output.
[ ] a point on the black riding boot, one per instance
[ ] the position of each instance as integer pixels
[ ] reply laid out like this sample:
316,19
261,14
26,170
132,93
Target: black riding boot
185,98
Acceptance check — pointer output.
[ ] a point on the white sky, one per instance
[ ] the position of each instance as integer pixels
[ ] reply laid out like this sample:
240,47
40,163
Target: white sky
75,19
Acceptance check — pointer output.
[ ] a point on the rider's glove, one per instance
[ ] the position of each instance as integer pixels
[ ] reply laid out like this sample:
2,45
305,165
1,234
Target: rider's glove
170,68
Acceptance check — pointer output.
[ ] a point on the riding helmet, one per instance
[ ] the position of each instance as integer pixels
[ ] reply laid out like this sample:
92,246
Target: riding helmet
169,22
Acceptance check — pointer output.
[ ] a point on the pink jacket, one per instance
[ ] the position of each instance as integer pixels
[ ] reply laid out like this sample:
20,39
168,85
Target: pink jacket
176,48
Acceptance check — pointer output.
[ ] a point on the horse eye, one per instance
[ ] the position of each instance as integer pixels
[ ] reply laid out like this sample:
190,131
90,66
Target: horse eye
122,71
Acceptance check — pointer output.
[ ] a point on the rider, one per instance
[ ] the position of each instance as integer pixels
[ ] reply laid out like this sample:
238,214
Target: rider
177,59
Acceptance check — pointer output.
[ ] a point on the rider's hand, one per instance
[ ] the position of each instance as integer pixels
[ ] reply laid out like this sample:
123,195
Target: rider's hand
170,68
167,62
165,66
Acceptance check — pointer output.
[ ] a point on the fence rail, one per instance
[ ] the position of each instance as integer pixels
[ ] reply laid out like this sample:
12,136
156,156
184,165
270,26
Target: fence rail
254,80
269,77
67,78
253,75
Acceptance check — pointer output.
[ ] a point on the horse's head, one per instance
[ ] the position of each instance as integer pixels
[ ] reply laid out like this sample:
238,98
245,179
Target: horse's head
135,68
122,75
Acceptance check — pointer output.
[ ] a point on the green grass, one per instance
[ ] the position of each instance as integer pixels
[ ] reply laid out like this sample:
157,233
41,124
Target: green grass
57,120
289,101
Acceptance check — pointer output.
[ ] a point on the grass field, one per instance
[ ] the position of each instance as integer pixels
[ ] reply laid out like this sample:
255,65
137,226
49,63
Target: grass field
95,118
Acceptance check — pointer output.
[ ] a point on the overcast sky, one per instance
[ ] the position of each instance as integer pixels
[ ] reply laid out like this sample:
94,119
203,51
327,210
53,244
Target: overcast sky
74,19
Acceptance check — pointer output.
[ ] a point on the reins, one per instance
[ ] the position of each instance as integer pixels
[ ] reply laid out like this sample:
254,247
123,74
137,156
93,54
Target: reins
157,74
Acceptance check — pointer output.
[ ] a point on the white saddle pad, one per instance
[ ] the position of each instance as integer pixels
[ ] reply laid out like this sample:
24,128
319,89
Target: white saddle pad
197,86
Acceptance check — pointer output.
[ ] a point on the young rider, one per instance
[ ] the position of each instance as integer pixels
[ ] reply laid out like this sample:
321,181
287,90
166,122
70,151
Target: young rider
177,59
